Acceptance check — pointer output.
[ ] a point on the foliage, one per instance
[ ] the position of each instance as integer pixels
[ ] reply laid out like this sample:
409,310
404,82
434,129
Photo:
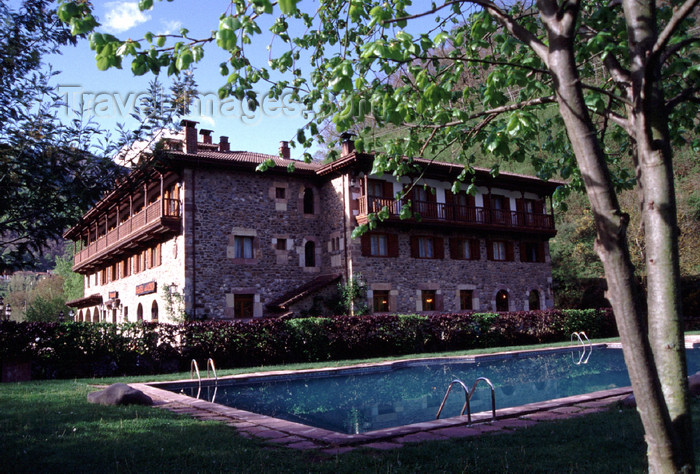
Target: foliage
73,283
48,174
174,303
353,297
59,350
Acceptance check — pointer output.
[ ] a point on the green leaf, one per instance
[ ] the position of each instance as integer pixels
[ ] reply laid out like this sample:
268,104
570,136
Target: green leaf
160,41
145,5
288,7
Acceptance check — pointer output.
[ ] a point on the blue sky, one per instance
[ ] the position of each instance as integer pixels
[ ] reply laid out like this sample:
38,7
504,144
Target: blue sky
112,95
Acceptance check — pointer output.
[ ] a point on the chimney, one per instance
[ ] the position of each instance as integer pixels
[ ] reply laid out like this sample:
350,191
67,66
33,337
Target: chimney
190,136
223,144
284,150
347,142
206,136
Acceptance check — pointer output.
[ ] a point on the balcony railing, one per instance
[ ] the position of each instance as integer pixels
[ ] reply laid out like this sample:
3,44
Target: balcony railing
147,218
438,212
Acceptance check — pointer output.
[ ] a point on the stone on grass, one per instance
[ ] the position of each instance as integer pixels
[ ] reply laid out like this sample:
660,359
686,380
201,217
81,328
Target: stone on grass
629,401
694,384
119,394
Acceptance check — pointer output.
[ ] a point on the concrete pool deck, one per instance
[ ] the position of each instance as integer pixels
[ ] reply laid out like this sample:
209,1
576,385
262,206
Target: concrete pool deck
299,436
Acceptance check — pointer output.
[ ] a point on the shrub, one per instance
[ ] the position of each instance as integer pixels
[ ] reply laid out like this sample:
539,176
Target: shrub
75,349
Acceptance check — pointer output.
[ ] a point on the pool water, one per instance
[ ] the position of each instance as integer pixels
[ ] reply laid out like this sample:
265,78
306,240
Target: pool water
368,399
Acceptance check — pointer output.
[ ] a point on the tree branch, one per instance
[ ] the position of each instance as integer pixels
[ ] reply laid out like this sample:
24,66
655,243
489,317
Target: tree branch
673,49
517,30
499,110
687,95
678,16
420,15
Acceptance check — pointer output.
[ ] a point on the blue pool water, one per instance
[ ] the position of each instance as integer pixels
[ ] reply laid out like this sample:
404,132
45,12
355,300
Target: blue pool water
368,399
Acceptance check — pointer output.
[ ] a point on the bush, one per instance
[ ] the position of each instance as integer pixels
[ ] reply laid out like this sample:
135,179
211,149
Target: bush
76,349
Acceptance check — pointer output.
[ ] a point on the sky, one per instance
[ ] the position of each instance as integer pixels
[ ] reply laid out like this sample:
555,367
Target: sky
111,96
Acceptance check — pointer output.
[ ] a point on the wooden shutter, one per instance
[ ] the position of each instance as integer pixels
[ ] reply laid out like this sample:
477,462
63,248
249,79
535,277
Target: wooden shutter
393,244
475,249
388,190
509,252
471,200
487,212
414,246
538,206
520,210
366,244
450,211
489,249
439,301
455,248
523,252
439,247
540,252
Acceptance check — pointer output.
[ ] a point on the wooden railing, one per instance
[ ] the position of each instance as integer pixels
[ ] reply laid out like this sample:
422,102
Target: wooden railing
129,228
452,213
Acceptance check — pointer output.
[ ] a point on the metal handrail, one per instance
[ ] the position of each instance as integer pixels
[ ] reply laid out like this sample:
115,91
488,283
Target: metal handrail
195,368
467,398
210,363
578,335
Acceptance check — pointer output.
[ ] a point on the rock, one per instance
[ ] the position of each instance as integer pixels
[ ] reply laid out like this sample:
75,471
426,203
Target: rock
119,394
694,384
629,401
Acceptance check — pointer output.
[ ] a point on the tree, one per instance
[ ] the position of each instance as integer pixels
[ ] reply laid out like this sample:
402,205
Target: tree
48,174
577,86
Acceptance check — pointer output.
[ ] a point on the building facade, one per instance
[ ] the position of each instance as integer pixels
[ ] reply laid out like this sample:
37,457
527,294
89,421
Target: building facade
198,233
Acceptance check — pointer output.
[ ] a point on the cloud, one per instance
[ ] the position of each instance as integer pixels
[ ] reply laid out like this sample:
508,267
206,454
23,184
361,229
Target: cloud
122,16
170,27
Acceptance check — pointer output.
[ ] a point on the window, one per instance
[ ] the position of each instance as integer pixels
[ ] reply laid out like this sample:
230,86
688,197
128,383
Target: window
126,267
310,254
154,311
502,300
243,306
428,299
281,244
379,245
533,300
465,249
139,312
500,250
335,244
427,247
380,301
465,299
243,246
308,201
531,251
280,193
126,313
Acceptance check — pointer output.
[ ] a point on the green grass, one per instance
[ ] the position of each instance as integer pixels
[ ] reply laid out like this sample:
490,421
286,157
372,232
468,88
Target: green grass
49,426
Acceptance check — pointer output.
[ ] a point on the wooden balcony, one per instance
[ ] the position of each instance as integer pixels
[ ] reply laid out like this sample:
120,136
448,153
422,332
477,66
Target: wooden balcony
150,224
441,214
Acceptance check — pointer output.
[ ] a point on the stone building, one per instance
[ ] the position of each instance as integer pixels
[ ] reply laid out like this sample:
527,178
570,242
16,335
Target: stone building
200,233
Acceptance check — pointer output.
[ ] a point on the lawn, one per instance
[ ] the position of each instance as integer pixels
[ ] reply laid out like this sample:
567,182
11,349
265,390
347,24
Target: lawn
49,426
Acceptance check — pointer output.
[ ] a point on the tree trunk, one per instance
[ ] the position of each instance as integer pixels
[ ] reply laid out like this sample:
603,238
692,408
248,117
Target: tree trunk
663,444
649,121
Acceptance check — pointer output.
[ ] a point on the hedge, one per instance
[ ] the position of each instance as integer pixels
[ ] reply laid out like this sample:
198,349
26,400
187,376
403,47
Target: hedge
77,349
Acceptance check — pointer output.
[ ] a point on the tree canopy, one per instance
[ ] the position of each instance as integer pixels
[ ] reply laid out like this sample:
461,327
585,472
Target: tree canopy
48,175
597,93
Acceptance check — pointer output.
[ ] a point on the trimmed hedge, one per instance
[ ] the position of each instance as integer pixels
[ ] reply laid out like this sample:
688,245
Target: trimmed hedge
63,350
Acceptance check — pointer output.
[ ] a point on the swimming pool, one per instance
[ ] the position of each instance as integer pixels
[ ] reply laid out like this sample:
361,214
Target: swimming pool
359,400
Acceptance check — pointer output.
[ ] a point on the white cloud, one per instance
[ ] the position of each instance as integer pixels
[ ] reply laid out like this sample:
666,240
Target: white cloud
170,27
122,16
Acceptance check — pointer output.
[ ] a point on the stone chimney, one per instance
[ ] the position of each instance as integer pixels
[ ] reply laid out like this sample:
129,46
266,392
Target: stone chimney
190,136
347,140
206,136
284,150
224,145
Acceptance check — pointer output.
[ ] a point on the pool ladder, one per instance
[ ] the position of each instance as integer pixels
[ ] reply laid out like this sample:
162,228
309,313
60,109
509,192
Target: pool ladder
194,368
468,396
584,356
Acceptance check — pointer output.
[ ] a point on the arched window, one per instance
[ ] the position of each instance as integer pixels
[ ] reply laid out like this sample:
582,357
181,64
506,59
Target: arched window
114,315
502,300
88,316
310,254
126,313
139,313
80,315
533,300
308,201
154,311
